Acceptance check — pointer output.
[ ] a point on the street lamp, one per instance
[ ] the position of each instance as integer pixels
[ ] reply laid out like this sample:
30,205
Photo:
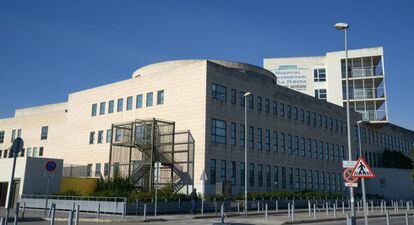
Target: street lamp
345,27
246,95
364,198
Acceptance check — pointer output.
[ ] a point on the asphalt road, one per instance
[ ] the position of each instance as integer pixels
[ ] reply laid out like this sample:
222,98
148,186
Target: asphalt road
376,221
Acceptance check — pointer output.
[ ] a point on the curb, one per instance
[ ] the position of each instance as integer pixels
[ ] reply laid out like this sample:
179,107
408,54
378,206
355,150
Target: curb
338,219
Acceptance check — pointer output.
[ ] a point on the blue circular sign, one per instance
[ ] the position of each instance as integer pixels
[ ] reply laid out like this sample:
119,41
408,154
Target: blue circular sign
51,166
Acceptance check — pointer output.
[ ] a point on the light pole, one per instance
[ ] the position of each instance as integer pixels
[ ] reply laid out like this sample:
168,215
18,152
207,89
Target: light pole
246,95
364,198
345,27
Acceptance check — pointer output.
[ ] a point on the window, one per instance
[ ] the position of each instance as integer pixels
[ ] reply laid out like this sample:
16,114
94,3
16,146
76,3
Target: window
251,137
260,175
100,136
295,113
259,103
19,133
282,110
297,179
251,175
296,145
233,96
138,102
108,135
275,141
308,119
1,137
102,106
267,105
233,172
282,142
149,99
129,103
91,137
332,152
259,138
29,152
268,177
251,101
316,180
289,112
242,135
111,106
106,169
326,151
315,149
218,131
319,75
218,92
89,170
233,134
309,148
289,144
337,153
321,94
328,181
94,108
276,176
242,99
43,133
274,108
242,175
212,171
223,171
290,178
120,105
302,147
13,135
267,140
160,97
310,180
321,150
34,154
322,180
302,115
41,151
97,169
314,119
320,120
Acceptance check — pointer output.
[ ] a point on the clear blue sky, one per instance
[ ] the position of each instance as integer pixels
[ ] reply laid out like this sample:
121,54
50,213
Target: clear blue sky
51,48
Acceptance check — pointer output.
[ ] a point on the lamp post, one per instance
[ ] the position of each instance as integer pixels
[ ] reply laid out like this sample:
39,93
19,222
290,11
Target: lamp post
345,27
246,95
364,198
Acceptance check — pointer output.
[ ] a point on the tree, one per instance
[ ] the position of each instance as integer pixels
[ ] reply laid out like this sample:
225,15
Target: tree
394,159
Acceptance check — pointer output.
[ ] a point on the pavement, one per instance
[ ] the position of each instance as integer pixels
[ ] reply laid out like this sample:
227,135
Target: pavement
36,217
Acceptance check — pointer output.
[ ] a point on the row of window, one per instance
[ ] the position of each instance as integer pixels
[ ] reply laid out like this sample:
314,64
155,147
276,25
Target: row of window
29,152
276,141
129,103
379,139
18,133
268,176
100,137
219,92
98,170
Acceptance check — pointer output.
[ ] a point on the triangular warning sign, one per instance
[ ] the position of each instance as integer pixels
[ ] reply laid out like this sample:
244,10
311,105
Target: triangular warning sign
362,169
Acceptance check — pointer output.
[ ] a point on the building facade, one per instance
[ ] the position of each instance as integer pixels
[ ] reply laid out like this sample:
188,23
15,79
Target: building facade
324,78
295,141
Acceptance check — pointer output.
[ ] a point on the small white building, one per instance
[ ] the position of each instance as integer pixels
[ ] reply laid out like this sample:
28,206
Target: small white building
30,177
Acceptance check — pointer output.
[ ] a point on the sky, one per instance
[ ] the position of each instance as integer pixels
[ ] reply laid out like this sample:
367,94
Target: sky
51,48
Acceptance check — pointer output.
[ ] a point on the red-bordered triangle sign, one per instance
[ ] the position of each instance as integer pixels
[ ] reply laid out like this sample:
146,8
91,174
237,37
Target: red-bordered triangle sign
362,169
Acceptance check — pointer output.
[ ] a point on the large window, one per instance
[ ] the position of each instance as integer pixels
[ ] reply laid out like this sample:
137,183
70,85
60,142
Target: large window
138,101
149,99
43,133
1,136
129,103
91,137
94,109
233,134
120,105
102,108
218,131
218,92
160,97
111,106
319,75
212,171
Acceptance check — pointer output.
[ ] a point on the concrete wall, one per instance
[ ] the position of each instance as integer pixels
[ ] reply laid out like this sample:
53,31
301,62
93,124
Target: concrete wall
391,183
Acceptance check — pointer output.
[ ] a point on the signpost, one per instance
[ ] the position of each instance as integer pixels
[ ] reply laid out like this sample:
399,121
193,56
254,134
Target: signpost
203,179
17,147
50,168
350,181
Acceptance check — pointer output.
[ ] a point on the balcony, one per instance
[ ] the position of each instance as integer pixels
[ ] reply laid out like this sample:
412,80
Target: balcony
364,71
373,115
365,93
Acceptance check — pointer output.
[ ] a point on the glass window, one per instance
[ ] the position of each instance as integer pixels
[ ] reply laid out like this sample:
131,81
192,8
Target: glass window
251,101
138,102
259,138
13,136
100,136
219,92
302,147
218,131
289,111
282,110
274,108
276,176
1,137
290,178
302,115
251,174
233,172
102,108
251,137
310,180
212,171
319,75
242,135
275,141
106,169
308,119
233,96
259,103
19,133
315,149
289,144
43,133
295,113
149,99
34,154
304,180
91,137
242,99
321,150
283,178
233,134
94,109
223,171
108,135
297,179
160,97
267,105
296,145
322,180
120,105
129,103
242,175
282,142
267,140
260,175
89,170
111,106
41,151
316,177
309,148
97,170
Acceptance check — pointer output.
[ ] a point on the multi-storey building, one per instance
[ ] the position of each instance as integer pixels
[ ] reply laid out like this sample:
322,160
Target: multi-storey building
295,141
324,77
